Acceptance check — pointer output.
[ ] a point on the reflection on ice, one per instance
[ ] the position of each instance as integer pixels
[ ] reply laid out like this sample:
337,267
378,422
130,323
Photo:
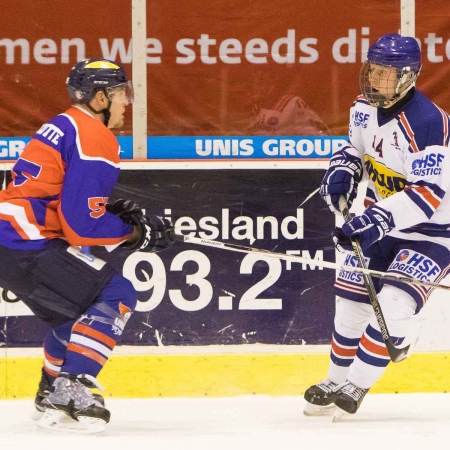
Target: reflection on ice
401,421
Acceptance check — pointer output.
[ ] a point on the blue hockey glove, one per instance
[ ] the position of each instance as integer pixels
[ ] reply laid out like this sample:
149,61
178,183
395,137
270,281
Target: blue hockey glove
341,178
370,227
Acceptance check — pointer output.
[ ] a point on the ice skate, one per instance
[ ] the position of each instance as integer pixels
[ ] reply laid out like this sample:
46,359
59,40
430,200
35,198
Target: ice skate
43,392
71,406
319,399
348,399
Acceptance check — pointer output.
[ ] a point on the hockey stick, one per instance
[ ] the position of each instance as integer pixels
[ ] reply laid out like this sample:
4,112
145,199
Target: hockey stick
301,259
396,354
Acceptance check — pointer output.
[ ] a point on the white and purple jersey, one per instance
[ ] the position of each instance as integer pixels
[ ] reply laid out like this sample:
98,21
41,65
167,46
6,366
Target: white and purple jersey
407,164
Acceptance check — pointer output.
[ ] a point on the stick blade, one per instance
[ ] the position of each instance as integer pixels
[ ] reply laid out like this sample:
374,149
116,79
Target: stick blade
398,354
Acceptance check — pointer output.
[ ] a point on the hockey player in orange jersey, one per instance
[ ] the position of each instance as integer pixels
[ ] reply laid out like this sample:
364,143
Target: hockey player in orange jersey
54,209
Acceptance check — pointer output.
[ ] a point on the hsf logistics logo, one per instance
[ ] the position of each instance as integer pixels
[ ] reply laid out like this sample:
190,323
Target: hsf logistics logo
416,265
350,275
429,164
360,119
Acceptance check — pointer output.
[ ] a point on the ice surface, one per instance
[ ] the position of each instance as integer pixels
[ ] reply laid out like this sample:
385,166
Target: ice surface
384,422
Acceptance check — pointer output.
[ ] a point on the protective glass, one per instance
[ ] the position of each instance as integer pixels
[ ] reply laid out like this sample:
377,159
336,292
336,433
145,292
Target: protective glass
122,93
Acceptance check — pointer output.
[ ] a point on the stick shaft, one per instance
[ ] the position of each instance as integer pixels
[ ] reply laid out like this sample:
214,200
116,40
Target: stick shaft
301,259
396,354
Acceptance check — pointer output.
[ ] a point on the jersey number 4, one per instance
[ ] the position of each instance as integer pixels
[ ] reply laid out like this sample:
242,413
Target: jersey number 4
378,148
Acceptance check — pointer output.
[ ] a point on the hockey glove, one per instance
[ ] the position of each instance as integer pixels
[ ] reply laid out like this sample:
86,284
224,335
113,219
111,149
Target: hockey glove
341,241
155,234
341,178
370,227
125,209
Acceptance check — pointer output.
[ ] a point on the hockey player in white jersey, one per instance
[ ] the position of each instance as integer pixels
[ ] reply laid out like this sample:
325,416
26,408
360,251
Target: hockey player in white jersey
398,140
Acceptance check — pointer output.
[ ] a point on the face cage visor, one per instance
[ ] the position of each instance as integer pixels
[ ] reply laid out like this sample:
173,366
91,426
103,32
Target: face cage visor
121,93
384,85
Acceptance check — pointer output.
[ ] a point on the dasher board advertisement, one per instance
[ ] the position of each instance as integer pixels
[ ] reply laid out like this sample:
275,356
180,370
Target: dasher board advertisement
196,295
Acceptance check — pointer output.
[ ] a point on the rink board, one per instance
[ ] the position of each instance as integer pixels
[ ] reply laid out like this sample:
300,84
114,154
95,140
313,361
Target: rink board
191,295
227,375
292,314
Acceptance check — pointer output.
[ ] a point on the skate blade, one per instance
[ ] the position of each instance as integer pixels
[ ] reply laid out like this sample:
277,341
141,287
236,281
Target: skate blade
339,414
36,415
58,421
311,410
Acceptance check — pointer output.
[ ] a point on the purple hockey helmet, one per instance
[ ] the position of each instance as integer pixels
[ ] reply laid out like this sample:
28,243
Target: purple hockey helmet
390,51
396,51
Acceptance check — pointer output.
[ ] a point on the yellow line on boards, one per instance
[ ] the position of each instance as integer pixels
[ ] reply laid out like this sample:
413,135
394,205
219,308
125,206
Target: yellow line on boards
226,375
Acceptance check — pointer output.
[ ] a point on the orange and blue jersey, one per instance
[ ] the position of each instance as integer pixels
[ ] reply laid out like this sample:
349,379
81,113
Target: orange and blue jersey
60,186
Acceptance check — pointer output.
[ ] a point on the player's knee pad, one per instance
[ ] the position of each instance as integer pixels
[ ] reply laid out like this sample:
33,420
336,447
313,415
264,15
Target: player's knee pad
119,294
398,308
351,318
113,308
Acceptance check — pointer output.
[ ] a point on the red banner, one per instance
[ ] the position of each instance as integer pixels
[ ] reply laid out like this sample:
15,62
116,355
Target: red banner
214,67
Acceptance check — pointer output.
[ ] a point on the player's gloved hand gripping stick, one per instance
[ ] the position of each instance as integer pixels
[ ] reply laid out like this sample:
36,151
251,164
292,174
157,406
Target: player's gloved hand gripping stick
396,354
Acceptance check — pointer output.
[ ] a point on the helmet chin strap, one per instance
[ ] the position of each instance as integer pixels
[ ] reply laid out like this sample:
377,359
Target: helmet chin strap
106,111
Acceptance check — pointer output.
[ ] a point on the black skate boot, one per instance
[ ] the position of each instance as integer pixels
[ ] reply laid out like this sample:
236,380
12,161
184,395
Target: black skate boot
319,398
43,392
70,397
349,397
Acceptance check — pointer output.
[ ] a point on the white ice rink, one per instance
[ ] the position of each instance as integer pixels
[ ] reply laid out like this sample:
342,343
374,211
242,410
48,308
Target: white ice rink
384,422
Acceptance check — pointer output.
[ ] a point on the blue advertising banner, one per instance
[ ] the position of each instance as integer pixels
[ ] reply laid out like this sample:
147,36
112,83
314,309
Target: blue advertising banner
212,147
195,295
242,147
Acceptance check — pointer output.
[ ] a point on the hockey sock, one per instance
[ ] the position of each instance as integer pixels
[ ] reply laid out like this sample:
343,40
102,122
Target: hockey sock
371,359
55,345
350,320
95,334
343,351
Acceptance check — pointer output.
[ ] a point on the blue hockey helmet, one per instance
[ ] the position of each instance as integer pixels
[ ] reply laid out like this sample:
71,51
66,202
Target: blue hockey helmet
89,76
390,51
396,51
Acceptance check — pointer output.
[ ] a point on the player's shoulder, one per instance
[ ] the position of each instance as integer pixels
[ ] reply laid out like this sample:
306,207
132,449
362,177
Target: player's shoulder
83,120
427,122
422,110
94,140
360,101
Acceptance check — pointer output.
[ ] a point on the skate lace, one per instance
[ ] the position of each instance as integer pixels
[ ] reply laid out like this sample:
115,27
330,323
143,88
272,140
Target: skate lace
353,391
327,386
